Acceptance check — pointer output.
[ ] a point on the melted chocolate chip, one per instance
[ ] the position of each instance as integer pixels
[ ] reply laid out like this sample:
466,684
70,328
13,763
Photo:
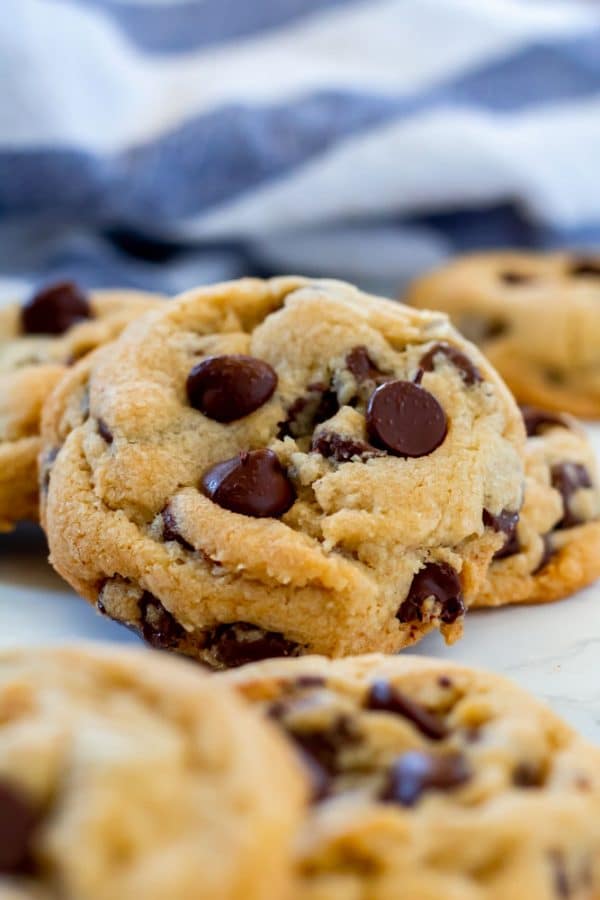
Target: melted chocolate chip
527,775
226,388
505,522
55,309
567,478
318,405
537,420
469,373
158,627
105,432
547,553
342,449
362,366
252,484
18,820
405,419
416,772
513,278
237,643
384,697
170,531
437,580
325,745
585,267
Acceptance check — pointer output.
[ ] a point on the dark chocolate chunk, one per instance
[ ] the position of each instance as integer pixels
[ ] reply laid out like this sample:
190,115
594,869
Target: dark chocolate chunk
252,484
158,627
318,405
437,580
326,745
416,772
585,267
506,522
226,388
405,419
513,278
469,373
384,697
362,366
18,820
343,449
54,309
105,432
537,420
170,530
567,478
237,643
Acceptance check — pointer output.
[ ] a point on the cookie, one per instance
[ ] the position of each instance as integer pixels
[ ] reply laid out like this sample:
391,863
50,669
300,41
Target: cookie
554,547
270,468
535,316
38,340
432,781
127,774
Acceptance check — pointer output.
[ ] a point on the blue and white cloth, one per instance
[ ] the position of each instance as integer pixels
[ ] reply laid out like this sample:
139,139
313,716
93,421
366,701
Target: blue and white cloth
163,143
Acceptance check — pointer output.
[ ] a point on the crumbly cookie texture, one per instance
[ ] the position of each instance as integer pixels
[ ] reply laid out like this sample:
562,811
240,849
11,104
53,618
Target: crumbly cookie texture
38,341
553,549
269,468
432,781
536,317
125,774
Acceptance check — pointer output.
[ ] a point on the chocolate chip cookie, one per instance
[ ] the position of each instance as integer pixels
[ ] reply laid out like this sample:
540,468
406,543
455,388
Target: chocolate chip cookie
432,782
127,775
38,340
536,317
269,468
553,548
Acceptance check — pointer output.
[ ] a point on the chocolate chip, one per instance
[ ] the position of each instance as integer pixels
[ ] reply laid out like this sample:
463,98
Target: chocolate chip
237,643
252,484
469,373
416,772
105,432
342,449
361,365
385,697
505,522
18,820
445,681
585,266
158,627
405,419
513,278
318,405
319,778
528,775
55,309
226,388
325,745
548,552
537,420
170,531
567,478
437,580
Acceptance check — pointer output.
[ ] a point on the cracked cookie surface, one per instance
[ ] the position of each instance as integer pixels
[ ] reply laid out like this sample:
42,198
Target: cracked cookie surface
38,341
432,781
280,467
554,549
125,774
535,316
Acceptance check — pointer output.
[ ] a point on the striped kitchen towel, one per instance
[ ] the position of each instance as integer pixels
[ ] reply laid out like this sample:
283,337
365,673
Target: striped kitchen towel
162,143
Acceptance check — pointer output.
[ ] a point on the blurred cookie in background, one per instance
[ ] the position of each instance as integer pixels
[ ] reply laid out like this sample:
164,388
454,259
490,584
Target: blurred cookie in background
535,316
432,781
125,774
39,340
553,548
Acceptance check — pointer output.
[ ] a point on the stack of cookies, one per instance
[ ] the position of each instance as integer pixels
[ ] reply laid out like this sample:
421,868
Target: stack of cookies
286,468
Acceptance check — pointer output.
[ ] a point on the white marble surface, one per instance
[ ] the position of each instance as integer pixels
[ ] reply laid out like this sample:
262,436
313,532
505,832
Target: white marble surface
552,650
